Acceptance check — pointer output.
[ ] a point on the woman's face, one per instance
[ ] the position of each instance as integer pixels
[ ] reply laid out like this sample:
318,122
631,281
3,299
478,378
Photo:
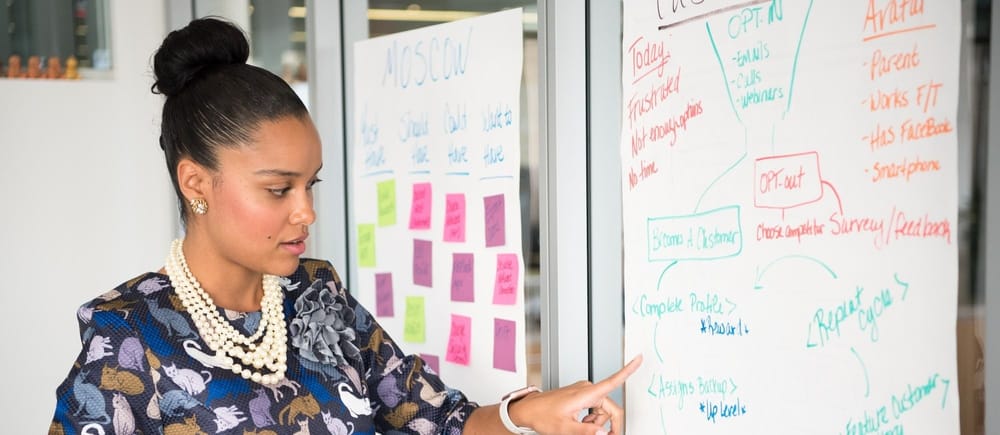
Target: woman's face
261,200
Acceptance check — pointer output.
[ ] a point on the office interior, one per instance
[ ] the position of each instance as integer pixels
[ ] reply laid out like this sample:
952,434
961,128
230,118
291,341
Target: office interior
84,211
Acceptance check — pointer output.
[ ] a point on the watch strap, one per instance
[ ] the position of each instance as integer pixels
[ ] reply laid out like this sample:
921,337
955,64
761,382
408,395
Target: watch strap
505,414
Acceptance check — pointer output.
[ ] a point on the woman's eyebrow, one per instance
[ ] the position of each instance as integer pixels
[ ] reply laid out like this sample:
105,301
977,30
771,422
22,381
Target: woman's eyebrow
277,172
281,172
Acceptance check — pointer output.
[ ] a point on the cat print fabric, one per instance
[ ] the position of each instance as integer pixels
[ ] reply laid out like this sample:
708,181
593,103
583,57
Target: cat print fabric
143,369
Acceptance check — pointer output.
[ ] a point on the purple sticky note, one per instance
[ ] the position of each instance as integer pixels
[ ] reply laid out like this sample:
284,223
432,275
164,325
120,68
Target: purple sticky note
420,207
432,362
505,288
496,225
422,262
462,276
454,217
504,344
383,295
459,340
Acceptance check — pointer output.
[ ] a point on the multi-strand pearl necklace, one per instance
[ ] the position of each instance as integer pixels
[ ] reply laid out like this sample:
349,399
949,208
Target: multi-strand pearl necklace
267,347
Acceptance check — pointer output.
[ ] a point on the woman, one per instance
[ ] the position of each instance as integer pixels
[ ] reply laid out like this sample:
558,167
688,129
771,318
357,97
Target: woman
239,334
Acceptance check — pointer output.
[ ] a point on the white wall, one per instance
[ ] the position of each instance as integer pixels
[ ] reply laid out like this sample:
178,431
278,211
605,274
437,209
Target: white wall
86,205
237,11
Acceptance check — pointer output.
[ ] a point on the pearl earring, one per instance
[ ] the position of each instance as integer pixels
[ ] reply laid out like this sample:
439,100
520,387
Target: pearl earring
199,205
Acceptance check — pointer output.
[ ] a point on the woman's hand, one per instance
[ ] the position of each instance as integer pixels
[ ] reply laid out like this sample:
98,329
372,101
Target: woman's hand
555,412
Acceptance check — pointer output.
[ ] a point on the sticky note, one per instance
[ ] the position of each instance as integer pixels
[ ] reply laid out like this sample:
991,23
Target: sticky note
504,344
432,362
366,245
423,262
420,207
414,322
462,278
387,203
383,295
505,287
454,217
459,340
496,226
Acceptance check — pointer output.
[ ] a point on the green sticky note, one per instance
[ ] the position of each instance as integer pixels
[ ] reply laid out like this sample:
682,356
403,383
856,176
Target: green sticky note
414,324
366,245
387,203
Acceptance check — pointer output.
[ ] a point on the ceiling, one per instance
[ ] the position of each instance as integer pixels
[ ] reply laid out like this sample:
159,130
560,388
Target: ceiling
391,16
451,5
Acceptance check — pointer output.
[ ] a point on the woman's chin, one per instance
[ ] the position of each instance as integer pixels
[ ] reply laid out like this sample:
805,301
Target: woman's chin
283,268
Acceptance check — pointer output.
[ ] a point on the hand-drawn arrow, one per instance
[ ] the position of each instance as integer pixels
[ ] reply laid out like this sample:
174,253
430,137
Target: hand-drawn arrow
656,345
716,180
795,63
865,369
665,269
840,204
761,272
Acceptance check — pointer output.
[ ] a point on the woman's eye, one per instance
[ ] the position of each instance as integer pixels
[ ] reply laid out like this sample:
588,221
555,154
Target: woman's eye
313,183
280,191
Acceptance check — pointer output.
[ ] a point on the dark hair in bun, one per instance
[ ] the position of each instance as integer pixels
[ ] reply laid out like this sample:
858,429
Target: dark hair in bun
214,98
203,43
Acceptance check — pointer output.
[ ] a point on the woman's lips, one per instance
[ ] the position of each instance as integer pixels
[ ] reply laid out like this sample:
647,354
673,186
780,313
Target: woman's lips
297,247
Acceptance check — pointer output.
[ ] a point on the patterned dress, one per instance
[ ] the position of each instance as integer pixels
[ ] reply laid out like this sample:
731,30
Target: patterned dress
144,369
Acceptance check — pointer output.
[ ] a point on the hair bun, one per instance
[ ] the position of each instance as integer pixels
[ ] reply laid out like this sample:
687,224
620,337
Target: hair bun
203,43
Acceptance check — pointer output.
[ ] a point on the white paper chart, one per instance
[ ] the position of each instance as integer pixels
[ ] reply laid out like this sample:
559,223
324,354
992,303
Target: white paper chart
436,177
790,210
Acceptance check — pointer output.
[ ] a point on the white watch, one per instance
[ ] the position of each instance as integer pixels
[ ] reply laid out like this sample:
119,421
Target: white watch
505,416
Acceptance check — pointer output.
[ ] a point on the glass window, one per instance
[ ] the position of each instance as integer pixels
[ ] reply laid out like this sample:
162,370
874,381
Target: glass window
278,34
392,16
277,31
54,39
972,146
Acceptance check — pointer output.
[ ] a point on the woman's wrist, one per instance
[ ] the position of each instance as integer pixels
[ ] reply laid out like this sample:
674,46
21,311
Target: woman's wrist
520,410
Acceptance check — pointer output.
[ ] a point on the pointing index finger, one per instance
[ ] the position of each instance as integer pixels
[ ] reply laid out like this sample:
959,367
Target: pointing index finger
614,381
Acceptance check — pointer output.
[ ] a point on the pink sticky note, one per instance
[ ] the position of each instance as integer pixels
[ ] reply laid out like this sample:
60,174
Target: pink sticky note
420,207
459,340
462,276
383,295
496,226
504,344
422,262
432,362
505,289
454,217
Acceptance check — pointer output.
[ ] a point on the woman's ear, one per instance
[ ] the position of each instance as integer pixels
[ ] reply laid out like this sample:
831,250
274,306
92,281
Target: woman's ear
193,179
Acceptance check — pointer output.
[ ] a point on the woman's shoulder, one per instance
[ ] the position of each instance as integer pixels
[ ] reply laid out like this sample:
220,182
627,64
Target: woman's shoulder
128,296
311,269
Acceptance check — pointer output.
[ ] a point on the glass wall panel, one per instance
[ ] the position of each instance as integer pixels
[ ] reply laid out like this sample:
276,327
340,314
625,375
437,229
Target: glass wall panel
392,16
54,39
277,31
972,145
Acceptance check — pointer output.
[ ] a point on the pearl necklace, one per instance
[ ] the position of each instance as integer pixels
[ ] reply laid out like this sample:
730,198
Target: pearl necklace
267,347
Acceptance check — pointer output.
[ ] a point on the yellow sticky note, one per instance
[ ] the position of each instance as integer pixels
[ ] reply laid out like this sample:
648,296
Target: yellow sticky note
414,323
387,203
366,245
